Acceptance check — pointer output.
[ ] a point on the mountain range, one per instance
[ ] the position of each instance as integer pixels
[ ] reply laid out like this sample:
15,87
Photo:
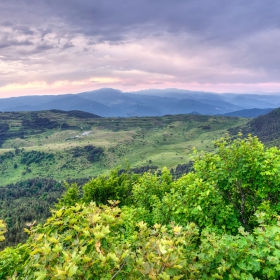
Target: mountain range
107,102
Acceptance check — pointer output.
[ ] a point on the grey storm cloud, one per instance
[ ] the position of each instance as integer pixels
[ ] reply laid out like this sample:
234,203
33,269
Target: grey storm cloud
6,42
213,20
116,20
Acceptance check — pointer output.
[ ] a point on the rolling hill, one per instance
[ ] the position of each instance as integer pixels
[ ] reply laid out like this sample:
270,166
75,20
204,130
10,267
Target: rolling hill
61,145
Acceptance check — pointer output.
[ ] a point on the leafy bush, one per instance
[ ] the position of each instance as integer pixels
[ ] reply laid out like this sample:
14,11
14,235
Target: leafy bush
2,230
12,261
92,153
89,242
35,157
245,174
7,155
112,187
220,221
224,191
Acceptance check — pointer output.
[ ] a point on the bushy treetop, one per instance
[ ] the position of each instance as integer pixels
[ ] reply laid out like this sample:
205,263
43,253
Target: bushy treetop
220,221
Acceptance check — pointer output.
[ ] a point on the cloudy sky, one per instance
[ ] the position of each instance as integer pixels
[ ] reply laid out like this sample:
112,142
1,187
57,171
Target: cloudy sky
63,46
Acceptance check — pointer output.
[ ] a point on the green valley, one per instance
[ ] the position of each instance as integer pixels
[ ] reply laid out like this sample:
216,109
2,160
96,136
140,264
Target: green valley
215,222
62,145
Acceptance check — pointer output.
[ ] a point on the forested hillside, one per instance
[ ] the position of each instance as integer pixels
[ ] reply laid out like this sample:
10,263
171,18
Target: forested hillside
266,127
220,221
27,201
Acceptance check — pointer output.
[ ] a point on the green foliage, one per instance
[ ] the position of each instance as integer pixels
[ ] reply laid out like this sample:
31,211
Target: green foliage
35,157
79,241
12,261
182,169
151,187
71,195
7,155
244,256
148,193
88,242
91,153
220,221
35,121
225,190
27,201
245,174
113,187
2,230
191,199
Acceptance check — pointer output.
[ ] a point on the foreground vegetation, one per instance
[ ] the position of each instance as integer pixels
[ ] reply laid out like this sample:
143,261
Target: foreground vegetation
32,199
69,145
219,222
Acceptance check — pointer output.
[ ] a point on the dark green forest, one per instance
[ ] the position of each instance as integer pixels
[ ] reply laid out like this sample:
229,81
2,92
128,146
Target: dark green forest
219,221
265,127
25,202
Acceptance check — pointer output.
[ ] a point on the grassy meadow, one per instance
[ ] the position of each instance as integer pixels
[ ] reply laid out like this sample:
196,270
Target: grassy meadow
54,144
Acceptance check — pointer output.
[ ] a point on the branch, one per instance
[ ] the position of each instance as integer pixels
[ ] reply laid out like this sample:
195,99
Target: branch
118,271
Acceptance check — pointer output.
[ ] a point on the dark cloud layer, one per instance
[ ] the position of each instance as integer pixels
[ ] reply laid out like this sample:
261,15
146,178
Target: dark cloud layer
128,42
116,19
213,20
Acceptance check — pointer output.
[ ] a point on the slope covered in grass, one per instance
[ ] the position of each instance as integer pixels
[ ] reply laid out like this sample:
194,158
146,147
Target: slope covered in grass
60,145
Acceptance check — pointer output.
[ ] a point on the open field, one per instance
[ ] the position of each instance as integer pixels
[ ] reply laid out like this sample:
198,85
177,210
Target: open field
55,144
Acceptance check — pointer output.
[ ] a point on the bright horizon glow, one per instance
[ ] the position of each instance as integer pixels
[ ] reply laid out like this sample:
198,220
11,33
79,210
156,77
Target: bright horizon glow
74,87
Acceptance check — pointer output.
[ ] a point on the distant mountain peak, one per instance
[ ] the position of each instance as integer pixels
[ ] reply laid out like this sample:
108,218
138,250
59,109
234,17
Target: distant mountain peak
110,102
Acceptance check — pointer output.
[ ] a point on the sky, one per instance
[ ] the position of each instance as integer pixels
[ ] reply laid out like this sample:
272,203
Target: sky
70,46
